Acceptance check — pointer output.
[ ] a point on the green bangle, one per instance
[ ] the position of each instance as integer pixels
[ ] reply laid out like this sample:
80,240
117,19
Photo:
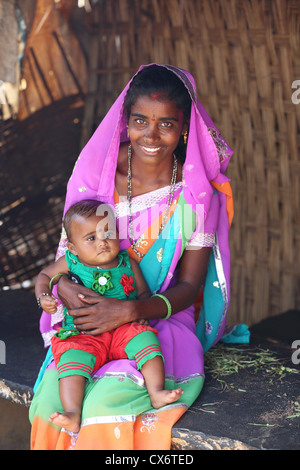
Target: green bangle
167,302
54,277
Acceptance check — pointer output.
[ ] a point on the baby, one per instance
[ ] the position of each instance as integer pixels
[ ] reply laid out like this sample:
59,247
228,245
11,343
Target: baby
94,256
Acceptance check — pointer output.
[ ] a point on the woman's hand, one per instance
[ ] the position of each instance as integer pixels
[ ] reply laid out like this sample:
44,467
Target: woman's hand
91,311
69,291
100,314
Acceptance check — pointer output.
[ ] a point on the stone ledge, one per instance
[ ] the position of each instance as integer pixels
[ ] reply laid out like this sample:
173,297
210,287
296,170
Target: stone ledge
16,393
185,439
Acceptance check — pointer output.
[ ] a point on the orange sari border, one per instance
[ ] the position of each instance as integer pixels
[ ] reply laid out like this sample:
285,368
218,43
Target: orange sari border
119,435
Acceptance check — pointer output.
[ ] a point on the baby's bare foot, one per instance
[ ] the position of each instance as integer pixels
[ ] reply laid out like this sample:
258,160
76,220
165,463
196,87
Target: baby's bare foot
69,421
165,397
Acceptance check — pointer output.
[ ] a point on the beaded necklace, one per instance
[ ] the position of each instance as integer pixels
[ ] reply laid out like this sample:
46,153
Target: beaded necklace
129,198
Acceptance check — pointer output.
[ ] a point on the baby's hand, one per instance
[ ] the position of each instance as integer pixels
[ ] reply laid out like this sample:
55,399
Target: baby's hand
143,322
48,304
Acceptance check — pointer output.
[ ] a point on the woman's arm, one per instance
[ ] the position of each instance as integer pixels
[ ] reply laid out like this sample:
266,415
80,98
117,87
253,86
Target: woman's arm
101,314
192,273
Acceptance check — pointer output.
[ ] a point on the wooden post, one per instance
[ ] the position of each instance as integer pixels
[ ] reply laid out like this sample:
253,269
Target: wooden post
43,78
68,64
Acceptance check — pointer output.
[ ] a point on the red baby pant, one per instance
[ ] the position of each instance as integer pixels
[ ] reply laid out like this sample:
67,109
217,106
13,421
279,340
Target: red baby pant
83,354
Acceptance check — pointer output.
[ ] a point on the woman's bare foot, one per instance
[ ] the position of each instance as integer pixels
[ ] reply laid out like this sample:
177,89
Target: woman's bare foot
69,421
165,397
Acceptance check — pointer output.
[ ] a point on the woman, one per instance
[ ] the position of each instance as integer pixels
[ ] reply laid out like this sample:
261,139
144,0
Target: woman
159,160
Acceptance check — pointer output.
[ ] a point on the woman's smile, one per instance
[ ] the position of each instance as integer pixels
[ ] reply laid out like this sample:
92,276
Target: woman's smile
150,150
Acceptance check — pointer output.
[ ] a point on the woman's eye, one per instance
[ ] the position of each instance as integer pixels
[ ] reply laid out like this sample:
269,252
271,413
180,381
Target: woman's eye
140,122
166,124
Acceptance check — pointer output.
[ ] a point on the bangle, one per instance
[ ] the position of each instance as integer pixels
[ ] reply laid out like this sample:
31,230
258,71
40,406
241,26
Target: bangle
39,301
167,302
54,277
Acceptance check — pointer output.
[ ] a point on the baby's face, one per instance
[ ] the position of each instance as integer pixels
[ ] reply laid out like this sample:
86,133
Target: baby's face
95,240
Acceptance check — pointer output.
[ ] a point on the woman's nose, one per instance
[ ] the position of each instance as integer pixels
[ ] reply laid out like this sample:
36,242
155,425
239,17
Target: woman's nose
151,134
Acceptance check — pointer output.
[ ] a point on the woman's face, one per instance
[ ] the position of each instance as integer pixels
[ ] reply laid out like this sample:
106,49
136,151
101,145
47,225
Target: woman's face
155,127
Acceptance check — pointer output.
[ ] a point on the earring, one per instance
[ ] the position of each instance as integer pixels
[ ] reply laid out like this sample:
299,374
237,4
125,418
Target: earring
185,136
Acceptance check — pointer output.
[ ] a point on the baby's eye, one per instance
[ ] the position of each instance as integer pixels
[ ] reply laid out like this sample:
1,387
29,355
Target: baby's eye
91,239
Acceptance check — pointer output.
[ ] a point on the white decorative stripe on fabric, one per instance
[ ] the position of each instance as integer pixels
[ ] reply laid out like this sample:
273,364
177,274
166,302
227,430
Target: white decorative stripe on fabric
47,337
144,201
203,239
185,379
140,381
125,418
58,316
174,405
121,376
108,419
222,280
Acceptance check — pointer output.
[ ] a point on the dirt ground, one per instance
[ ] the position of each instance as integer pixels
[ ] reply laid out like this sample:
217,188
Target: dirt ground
14,426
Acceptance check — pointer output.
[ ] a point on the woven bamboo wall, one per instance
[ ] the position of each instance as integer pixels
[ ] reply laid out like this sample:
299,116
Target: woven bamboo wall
245,56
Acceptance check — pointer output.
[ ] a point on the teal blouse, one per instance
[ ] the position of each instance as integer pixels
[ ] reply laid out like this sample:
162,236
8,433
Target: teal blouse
116,282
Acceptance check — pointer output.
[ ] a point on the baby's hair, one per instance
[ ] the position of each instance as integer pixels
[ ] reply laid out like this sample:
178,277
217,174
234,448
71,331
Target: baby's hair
85,208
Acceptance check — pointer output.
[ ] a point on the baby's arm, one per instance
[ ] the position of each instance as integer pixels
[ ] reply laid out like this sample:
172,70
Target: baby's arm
47,303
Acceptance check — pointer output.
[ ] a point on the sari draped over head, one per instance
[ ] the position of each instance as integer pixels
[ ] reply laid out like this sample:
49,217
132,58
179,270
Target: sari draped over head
117,412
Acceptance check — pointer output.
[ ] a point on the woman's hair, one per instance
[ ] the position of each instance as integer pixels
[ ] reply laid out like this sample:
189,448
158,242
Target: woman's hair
154,80
157,81
85,208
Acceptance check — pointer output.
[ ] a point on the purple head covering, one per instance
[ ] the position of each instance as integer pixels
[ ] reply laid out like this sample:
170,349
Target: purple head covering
207,153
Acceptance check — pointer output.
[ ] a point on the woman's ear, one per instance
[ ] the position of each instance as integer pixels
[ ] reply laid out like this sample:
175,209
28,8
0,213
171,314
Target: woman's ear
185,132
185,127
71,248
